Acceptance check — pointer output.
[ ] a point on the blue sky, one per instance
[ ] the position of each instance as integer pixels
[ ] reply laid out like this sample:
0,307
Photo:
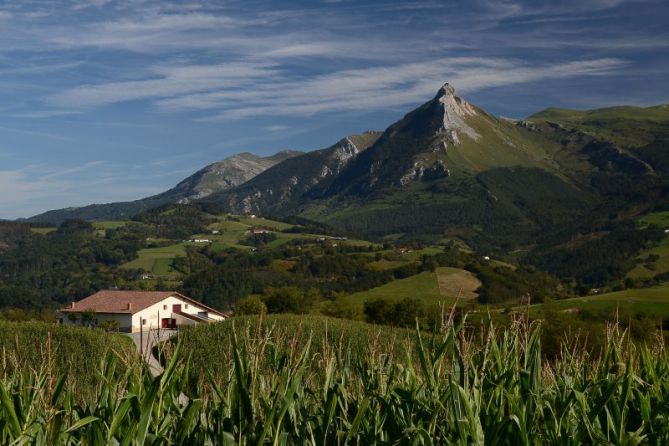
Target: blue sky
104,100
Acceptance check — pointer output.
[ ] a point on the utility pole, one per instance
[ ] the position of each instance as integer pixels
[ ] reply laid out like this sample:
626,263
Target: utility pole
141,339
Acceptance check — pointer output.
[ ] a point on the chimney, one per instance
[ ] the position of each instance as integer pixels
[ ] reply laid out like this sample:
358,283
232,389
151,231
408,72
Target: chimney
72,305
129,305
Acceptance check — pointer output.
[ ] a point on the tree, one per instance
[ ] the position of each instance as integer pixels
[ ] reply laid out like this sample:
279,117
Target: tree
378,311
291,300
403,313
250,305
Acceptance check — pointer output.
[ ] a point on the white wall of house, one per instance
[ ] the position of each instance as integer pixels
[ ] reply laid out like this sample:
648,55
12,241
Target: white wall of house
150,318
163,309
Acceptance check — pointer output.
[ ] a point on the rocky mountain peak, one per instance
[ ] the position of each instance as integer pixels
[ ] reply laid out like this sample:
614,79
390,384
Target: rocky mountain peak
446,90
456,111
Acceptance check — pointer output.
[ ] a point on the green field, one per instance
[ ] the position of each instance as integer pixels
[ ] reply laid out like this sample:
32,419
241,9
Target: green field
233,232
456,282
441,286
215,340
384,264
650,301
319,381
75,351
422,286
648,266
157,260
264,222
42,231
109,224
660,219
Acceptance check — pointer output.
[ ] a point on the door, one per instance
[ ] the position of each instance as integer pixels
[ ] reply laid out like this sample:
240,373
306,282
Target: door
176,308
168,323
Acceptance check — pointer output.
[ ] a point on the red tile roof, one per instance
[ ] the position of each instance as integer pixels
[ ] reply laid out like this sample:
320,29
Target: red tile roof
127,302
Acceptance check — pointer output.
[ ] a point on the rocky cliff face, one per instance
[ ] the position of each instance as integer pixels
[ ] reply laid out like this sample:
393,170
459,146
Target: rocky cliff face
226,174
287,184
456,111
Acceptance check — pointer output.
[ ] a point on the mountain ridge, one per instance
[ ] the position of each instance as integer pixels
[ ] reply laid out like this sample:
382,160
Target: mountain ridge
220,175
450,169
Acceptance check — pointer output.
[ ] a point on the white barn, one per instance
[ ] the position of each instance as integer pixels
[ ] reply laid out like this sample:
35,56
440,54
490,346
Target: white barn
132,311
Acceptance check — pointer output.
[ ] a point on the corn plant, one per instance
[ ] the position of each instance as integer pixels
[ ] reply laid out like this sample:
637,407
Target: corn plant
273,386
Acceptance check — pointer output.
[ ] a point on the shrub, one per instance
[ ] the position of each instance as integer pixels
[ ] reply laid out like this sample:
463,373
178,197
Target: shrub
290,300
250,305
404,313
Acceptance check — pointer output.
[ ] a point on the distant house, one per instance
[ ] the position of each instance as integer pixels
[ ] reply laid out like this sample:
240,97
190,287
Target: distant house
215,232
132,311
255,231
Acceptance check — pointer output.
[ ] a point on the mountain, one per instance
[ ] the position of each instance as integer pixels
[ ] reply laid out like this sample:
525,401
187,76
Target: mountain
226,174
282,188
218,176
450,169
446,167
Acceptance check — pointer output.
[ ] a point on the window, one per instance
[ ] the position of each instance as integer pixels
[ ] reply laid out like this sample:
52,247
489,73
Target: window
143,321
164,307
186,305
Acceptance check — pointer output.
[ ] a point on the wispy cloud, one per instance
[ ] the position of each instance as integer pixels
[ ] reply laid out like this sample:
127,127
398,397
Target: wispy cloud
240,90
377,88
167,81
277,128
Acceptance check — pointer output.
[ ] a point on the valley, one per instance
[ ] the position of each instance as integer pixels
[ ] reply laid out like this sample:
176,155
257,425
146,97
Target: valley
448,204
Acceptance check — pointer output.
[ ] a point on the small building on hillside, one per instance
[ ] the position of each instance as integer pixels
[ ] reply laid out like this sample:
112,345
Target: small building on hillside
260,230
132,311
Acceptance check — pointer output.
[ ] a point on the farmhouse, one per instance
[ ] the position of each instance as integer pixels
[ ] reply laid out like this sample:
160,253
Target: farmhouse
132,311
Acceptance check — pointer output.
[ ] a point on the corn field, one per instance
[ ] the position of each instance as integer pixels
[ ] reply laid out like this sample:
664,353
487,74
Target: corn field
443,389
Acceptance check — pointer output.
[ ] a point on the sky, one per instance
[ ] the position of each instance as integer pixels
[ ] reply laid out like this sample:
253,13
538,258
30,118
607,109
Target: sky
106,100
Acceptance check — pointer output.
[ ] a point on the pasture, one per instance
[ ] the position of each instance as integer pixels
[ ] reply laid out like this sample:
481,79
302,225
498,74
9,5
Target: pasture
442,286
653,302
157,260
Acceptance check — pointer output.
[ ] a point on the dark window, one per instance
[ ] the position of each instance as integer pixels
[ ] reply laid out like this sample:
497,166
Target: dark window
143,321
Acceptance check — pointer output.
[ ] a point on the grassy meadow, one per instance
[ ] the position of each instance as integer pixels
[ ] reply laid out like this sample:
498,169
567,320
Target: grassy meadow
653,302
157,261
443,286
